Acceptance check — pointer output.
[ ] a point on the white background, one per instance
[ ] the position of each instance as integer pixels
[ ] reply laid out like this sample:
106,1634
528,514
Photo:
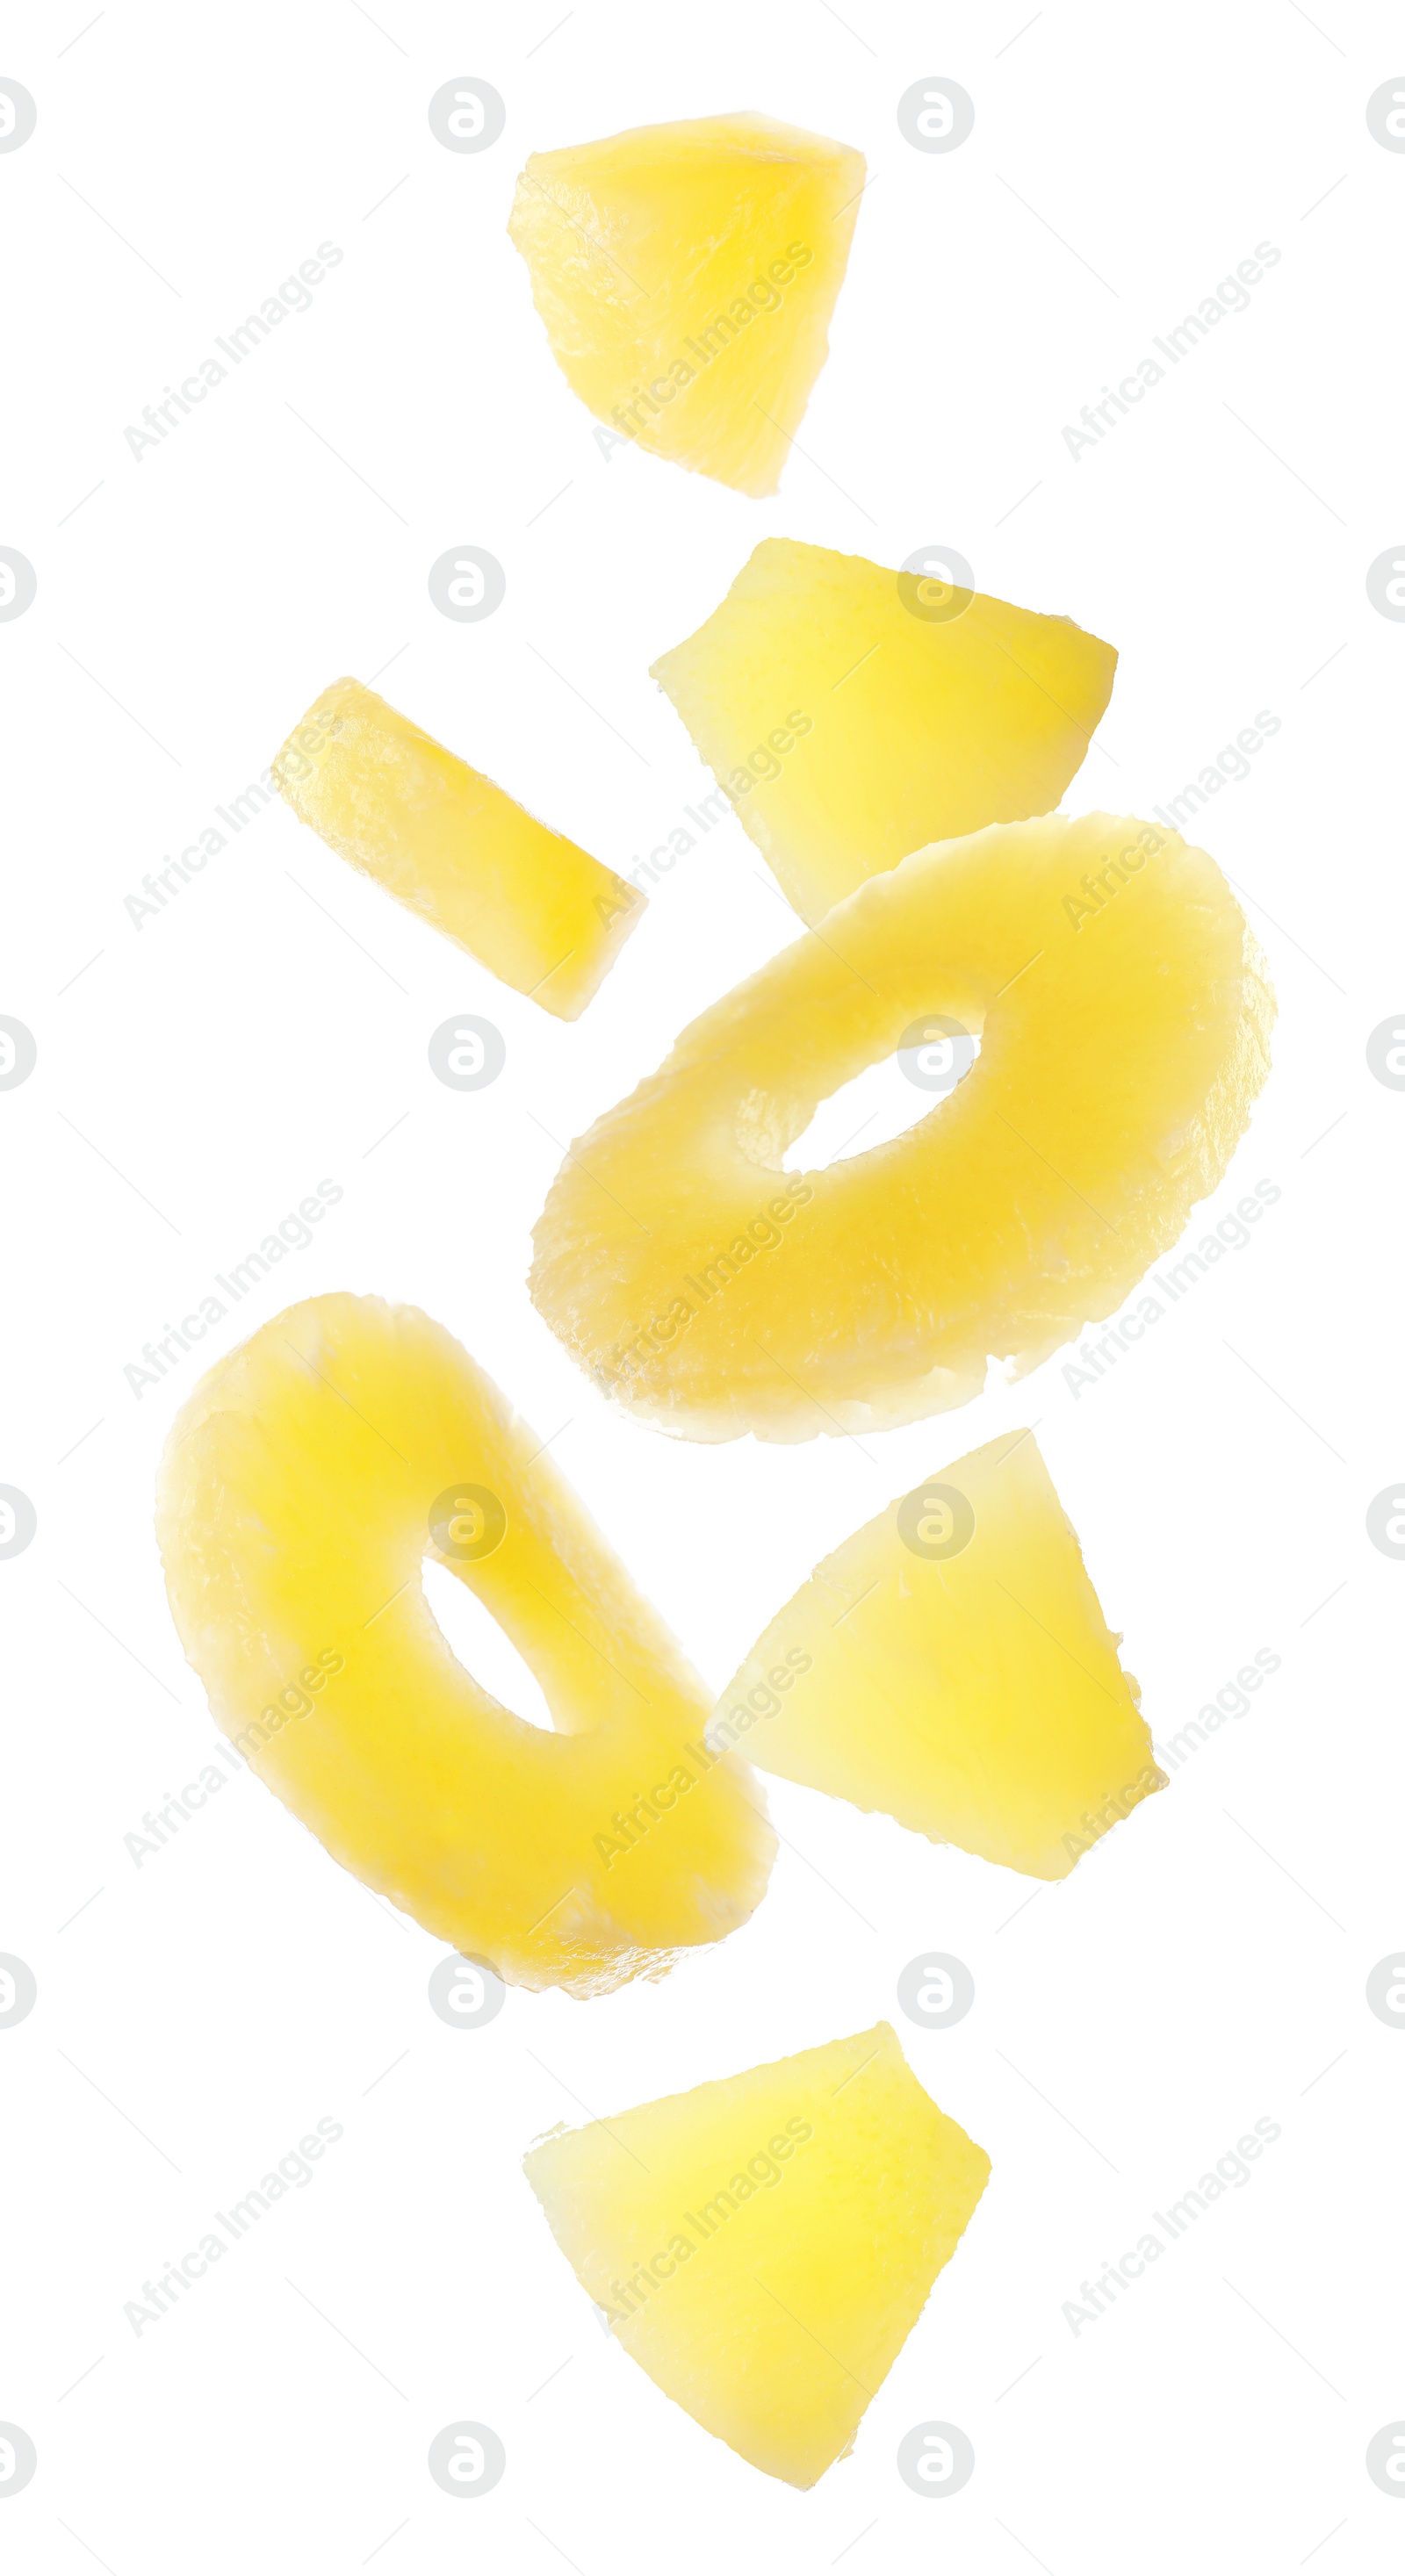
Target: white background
1206,1966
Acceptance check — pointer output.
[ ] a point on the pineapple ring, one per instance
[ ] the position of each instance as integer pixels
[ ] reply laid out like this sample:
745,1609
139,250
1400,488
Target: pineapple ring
302,1485
1123,1019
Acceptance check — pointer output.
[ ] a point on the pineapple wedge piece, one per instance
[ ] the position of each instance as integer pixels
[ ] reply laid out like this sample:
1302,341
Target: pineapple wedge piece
1123,1018
303,1484
848,726
536,911
764,2246
686,275
949,1665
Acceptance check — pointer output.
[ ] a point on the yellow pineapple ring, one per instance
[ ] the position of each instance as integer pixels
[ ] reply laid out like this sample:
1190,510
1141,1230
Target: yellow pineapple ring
1123,1019
302,1486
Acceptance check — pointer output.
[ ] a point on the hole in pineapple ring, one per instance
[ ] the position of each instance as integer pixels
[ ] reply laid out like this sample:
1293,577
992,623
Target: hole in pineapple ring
931,1057
482,1645
936,1053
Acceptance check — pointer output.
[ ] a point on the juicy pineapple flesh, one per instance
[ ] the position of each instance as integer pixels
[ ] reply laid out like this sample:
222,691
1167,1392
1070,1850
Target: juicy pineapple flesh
853,714
686,275
541,914
764,2245
303,1485
949,1665
1123,1023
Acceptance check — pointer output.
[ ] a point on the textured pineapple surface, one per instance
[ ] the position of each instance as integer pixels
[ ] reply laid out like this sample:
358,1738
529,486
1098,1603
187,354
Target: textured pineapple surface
1123,1022
541,914
303,1485
854,714
686,275
764,2245
950,1665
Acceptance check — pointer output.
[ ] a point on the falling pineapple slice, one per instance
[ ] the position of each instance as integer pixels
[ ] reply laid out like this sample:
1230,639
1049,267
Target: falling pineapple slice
853,714
686,275
949,1665
538,912
764,2245
303,1484
1123,1023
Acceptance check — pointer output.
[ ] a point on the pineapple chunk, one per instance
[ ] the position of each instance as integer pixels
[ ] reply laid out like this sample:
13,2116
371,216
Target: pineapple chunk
949,1665
541,914
848,727
302,1486
765,2245
1124,1024
686,275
